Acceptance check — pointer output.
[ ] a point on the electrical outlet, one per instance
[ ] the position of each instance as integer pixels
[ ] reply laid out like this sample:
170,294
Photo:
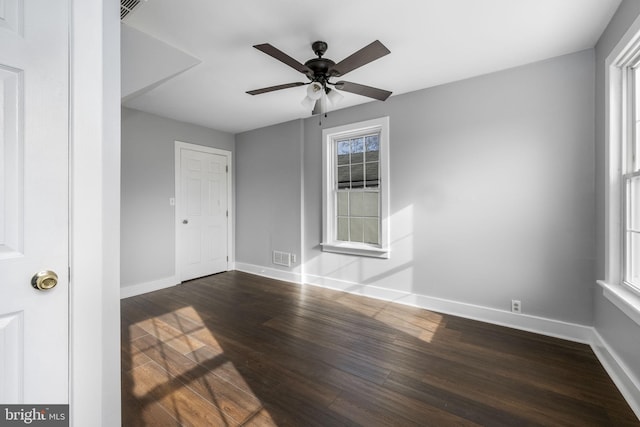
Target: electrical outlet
516,306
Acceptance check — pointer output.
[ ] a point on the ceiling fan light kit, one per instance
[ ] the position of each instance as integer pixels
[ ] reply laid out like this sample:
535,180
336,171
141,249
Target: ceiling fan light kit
320,70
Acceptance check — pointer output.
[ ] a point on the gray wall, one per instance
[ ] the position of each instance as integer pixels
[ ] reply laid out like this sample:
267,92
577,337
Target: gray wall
492,191
621,333
148,181
268,193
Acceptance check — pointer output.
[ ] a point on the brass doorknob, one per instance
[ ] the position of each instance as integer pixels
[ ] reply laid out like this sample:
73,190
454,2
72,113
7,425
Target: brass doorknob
44,280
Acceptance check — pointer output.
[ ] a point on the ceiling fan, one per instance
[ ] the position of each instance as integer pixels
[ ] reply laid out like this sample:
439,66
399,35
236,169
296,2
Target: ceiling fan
320,70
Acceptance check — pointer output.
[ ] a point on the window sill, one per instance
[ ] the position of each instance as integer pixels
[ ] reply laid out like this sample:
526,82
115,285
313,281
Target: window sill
624,299
360,250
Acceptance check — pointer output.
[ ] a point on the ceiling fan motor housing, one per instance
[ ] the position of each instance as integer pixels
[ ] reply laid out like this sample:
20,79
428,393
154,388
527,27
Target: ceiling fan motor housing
320,68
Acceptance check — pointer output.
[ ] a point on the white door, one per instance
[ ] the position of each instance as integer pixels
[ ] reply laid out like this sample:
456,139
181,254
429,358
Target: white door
203,213
33,200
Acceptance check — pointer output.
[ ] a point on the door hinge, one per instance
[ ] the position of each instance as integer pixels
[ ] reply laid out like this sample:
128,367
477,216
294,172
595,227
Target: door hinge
226,167
227,258
227,214
69,272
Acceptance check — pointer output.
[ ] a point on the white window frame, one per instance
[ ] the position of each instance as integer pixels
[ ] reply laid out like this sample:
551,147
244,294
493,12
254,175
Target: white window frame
618,137
329,190
629,161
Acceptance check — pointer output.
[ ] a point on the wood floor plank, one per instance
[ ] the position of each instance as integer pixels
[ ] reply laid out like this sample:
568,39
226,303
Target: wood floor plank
135,413
516,397
366,398
238,349
453,402
181,341
153,384
202,378
132,358
365,414
522,367
242,376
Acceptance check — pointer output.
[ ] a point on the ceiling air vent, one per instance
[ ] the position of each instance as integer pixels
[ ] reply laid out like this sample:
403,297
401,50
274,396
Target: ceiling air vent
127,6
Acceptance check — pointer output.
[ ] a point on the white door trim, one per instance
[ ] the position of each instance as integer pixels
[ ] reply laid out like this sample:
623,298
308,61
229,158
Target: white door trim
179,145
95,213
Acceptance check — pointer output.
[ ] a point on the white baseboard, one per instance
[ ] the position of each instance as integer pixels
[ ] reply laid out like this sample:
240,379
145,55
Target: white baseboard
621,375
540,325
143,288
272,273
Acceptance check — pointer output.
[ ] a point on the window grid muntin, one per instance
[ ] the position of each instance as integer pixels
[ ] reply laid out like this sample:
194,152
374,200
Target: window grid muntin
349,216
369,160
366,140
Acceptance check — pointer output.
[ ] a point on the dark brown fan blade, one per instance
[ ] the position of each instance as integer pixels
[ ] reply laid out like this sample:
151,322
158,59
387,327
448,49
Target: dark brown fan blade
358,89
283,57
272,88
362,57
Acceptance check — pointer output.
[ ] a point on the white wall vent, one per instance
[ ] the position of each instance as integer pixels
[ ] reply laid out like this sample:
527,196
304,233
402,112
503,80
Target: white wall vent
127,6
282,258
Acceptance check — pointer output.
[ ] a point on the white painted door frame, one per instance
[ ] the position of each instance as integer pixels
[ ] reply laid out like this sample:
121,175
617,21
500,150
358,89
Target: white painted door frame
94,175
179,145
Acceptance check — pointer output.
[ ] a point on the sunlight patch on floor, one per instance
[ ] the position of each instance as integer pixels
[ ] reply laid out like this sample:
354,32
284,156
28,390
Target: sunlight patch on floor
183,369
418,323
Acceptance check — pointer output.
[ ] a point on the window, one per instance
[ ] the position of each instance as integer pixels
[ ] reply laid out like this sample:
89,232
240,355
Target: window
623,195
631,180
356,187
621,284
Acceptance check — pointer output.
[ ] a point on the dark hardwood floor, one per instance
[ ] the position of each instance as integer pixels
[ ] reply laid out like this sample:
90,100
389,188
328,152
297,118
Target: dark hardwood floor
237,349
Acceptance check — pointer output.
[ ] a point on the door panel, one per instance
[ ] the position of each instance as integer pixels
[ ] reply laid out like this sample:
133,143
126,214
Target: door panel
11,331
11,160
33,200
203,217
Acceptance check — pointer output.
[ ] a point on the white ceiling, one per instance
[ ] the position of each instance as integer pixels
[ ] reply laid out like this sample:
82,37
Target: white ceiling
431,41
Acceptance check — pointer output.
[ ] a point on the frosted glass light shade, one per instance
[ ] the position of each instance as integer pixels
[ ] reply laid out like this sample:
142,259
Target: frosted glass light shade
315,90
335,97
323,105
308,103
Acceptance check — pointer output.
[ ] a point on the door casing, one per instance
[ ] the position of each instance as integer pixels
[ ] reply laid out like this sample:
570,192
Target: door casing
94,175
